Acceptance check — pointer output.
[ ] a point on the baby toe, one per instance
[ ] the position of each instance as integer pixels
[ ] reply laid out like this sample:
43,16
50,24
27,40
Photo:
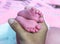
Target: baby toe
38,27
32,30
32,10
37,11
41,20
41,15
36,30
29,29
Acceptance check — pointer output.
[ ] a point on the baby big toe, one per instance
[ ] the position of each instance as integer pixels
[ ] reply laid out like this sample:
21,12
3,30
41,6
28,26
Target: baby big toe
29,29
32,30
32,10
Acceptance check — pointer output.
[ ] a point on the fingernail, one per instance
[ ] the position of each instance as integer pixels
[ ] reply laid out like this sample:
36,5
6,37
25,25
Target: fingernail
11,21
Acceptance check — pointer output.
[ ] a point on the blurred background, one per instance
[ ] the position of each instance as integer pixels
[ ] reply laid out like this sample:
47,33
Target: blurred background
10,8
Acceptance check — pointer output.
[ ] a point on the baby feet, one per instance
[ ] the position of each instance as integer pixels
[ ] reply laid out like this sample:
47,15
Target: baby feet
29,18
29,25
32,14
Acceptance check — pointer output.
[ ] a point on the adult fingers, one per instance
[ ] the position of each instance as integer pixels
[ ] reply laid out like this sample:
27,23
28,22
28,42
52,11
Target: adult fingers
17,28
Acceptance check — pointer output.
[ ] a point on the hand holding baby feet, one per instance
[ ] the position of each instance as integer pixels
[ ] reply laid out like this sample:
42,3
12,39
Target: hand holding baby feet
28,25
29,18
32,14
24,37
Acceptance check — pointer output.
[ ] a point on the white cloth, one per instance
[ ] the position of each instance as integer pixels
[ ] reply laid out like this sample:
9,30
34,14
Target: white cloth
7,35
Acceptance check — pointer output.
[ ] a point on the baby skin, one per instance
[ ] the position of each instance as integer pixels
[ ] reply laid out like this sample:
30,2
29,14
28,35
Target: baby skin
30,18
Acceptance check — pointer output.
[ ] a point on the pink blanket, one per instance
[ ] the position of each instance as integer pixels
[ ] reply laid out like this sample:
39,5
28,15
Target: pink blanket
10,9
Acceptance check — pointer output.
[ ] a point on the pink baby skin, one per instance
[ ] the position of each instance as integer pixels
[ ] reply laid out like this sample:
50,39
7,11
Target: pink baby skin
30,18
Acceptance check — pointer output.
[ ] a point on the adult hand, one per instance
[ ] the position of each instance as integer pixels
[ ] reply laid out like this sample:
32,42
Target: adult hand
24,37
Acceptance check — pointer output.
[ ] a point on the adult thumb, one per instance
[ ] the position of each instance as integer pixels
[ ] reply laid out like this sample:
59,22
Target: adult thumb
17,28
